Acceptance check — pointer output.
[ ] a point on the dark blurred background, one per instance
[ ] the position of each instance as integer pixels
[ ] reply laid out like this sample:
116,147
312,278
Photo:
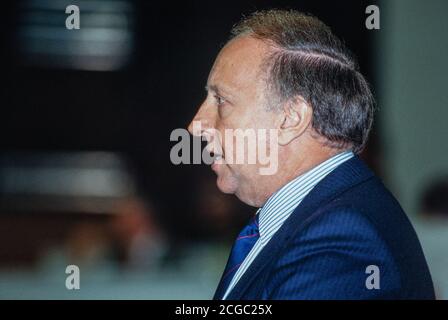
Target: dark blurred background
86,117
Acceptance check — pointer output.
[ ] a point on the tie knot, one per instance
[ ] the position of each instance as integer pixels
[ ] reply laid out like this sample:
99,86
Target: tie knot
251,230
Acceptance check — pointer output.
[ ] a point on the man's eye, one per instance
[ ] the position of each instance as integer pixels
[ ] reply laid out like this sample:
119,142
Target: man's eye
219,100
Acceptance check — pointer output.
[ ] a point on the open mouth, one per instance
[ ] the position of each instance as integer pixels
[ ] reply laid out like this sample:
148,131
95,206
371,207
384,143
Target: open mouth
217,158
216,155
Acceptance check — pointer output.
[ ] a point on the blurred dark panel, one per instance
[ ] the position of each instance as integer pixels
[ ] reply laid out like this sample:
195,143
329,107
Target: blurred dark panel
104,43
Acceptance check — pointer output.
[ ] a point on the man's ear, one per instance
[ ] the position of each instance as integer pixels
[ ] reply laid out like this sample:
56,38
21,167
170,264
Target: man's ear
297,115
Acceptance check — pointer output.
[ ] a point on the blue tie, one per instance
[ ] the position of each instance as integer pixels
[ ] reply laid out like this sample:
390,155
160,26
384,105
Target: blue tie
241,248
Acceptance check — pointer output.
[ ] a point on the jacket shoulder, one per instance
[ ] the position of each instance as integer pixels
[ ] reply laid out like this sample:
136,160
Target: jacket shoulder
330,257
362,227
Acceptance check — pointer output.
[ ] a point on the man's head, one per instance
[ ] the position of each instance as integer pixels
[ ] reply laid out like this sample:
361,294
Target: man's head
286,71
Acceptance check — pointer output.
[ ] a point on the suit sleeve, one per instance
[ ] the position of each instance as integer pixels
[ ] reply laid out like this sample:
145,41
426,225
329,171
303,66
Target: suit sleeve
328,260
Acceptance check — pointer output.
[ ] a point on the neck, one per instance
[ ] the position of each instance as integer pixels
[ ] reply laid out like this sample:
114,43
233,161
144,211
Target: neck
292,165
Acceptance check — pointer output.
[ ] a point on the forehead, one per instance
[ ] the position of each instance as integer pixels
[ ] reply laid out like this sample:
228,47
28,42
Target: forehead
239,64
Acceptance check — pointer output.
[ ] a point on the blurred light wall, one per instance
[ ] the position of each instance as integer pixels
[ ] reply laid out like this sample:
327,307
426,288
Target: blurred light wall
412,66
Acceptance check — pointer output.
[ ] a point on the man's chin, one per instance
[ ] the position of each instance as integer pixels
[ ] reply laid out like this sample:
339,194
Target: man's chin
224,185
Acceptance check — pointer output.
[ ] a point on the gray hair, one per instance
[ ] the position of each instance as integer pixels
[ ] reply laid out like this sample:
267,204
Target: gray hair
308,60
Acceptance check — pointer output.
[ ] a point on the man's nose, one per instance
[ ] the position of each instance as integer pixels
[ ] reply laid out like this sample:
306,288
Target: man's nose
201,122
190,126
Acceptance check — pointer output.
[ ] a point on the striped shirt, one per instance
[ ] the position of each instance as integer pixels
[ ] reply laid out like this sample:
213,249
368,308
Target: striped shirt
280,206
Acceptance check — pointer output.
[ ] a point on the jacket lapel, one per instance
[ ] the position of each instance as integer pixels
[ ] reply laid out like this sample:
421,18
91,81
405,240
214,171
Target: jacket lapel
347,175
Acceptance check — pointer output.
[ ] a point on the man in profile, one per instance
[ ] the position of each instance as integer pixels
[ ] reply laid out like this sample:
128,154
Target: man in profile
326,227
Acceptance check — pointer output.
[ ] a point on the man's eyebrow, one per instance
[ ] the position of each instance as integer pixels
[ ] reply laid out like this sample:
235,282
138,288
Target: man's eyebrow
211,88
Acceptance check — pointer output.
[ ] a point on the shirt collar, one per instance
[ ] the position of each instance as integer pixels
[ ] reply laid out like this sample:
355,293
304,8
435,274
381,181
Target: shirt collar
283,202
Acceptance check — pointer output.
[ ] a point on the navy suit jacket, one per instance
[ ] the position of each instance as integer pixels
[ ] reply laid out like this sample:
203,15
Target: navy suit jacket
348,222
